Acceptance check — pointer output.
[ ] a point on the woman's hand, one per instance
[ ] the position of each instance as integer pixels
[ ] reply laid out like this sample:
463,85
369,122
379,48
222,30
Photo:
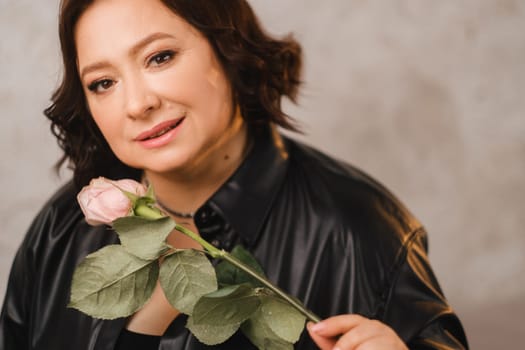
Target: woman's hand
354,332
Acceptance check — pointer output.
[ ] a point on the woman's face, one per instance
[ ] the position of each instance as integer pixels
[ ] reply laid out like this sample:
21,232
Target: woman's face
155,87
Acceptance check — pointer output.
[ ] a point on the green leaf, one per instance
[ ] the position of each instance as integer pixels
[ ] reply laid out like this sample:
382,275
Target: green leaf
131,196
257,330
185,276
150,193
112,283
228,274
142,237
211,334
283,319
226,306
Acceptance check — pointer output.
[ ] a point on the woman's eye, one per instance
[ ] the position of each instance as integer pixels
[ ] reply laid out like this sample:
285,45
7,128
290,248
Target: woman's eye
100,85
161,58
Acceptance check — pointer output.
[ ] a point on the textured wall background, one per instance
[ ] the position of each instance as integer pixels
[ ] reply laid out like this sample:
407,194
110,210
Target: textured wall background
427,96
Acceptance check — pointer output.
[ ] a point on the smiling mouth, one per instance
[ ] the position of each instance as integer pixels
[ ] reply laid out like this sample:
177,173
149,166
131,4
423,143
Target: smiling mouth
160,131
163,131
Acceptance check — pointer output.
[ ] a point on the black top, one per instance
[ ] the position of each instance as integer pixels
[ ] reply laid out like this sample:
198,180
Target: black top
130,340
323,231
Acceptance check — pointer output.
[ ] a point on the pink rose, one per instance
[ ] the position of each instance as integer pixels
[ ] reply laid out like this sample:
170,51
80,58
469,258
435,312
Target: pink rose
102,201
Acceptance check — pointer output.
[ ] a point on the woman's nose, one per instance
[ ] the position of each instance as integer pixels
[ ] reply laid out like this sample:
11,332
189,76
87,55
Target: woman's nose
140,100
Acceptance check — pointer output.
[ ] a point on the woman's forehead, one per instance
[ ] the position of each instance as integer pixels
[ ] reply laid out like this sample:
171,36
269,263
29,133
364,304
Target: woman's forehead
131,17
110,27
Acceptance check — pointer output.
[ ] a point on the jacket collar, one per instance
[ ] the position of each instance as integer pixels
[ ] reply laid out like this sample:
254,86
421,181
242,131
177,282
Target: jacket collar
246,198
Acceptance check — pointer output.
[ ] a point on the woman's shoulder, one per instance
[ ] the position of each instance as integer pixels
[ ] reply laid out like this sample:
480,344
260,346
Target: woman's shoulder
59,219
62,205
64,197
357,202
322,166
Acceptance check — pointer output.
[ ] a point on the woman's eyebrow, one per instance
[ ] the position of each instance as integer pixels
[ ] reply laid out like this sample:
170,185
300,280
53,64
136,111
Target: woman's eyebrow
133,51
147,40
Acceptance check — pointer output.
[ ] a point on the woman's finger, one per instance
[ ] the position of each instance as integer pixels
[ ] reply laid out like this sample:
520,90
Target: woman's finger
337,325
364,332
324,343
370,335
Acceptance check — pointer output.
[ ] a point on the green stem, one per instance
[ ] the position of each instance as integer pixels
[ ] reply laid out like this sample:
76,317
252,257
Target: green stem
213,251
297,305
221,254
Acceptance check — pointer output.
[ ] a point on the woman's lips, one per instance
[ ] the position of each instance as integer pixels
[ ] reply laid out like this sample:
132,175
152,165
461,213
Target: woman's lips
159,129
161,134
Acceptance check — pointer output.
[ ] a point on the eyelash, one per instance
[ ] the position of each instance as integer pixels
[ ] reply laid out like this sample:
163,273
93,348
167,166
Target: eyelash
96,85
166,56
158,59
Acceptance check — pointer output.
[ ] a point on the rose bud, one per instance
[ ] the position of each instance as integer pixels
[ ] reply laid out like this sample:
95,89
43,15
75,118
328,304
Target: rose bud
103,201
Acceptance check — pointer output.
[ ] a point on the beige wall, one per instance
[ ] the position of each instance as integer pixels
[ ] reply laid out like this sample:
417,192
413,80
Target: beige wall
427,96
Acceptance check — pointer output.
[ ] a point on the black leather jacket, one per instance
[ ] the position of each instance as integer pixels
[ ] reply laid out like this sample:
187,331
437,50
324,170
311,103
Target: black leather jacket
323,231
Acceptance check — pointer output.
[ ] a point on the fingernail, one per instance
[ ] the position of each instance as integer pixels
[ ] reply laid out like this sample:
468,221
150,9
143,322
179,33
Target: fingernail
316,327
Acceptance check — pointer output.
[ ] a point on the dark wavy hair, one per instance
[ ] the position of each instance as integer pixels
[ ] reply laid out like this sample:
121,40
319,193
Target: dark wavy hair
260,68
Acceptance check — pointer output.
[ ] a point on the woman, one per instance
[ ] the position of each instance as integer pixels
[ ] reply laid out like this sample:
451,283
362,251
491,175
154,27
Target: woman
186,95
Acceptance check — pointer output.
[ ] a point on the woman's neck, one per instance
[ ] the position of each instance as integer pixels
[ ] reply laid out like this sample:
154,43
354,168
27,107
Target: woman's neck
186,190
